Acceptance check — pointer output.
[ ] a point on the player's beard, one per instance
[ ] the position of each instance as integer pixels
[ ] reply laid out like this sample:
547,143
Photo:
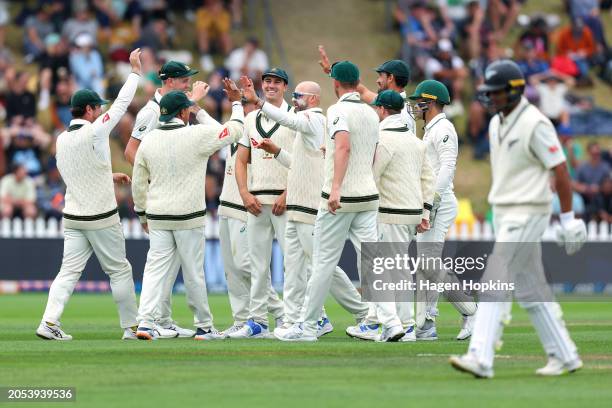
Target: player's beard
300,104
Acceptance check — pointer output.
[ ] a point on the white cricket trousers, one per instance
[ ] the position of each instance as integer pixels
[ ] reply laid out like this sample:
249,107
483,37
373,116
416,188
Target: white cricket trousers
402,235
431,243
261,231
237,268
330,234
164,244
163,314
298,267
527,276
109,246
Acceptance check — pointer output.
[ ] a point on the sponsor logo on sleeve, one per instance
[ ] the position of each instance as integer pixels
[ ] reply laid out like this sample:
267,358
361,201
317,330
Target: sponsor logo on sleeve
106,118
224,133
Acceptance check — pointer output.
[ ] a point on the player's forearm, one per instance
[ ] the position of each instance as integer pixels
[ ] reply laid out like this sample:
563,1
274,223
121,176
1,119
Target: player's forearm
124,98
203,118
285,118
237,112
241,170
563,187
131,149
284,158
365,94
341,159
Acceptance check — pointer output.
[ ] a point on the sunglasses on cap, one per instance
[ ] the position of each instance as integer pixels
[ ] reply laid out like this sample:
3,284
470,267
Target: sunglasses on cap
298,95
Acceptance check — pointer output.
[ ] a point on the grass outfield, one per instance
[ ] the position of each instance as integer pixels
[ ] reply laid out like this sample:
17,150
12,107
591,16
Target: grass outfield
336,371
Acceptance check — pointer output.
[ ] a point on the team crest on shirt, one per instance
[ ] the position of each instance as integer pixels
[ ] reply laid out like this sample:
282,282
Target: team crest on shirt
106,118
224,133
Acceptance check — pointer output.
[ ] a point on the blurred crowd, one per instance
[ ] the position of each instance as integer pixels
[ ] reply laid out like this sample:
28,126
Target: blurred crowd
453,41
73,44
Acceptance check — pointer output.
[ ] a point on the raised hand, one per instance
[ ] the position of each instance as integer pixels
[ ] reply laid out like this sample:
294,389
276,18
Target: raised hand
324,61
268,146
135,61
233,93
198,91
248,89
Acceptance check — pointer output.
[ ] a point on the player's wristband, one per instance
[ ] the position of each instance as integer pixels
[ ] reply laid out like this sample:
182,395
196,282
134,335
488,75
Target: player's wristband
566,218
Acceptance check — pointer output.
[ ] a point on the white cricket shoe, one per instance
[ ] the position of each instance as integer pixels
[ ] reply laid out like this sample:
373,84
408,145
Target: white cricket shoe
232,329
392,334
251,330
556,367
208,334
164,333
146,333
427,332
467,327
468,364
324,327
51,332
129,334
293,333
180,332
409,334
364,331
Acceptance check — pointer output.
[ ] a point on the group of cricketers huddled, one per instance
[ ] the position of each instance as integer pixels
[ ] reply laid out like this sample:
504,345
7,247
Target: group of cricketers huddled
311,180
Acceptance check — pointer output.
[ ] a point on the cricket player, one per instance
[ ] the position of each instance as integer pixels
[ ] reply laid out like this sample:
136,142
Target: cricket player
264,196
405,183
169,198
91,219
524,150
442,148
349,204
235,248
393,75
175,76
304,182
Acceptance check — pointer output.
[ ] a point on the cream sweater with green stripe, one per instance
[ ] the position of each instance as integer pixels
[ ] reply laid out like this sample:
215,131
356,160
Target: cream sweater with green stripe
169,176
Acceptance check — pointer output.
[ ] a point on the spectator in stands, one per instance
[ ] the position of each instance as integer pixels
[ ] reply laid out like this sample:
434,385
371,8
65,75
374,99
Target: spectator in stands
552,88
18,194
603,201
36,28
20,102
51,193
86,64
55,59
25,141
589,177
534,38
213,23
529,62
2,160
419,37
588,11
576,42
470,30
247,60
216,102
83,22
503,14
150,68
60,106
573,151
445,66
156,34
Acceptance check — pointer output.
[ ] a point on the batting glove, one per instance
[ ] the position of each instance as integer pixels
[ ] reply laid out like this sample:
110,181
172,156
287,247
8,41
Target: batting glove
572,234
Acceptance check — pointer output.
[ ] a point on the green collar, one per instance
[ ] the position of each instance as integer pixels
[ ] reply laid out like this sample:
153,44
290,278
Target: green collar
260,129
397,129
75,127
171,126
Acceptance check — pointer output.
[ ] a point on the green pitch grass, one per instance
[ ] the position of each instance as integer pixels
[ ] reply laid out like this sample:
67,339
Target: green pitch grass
335,372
